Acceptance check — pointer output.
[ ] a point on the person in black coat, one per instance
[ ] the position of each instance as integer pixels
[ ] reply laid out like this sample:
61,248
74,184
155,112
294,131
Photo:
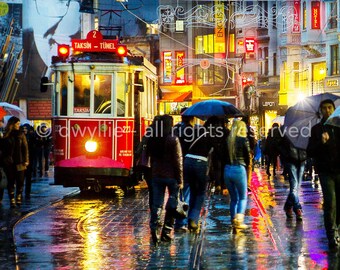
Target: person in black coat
15,159
31,141
324,148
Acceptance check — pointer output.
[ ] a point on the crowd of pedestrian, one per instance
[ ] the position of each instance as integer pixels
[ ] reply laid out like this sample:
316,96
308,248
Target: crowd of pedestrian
186,157
22,152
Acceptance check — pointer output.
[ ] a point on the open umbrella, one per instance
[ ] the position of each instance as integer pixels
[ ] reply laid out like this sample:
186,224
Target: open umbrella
279,119
334,118
12,110
301,117
212,107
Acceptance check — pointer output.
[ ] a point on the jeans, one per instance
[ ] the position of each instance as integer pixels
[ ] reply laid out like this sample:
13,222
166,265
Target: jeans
159,186
330,184
235,178
295,173
195,173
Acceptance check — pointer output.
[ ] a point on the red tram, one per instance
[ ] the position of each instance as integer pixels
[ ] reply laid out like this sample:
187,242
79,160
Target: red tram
102,102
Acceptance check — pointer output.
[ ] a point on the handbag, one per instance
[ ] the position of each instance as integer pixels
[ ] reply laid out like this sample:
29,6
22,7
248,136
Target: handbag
3,179
143,159
178,206
182,207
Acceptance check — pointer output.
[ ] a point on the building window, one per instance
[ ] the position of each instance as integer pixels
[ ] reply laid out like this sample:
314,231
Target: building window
208,44
266,64
263,20
334,59
212,75
296,75
332,23
304,16
274,64
284,24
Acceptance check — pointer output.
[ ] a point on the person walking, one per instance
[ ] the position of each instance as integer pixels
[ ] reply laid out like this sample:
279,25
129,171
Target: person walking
185,131
196,170
271,149
15,158
31,139
294,166
165,152
47,146
324,148
235,172
1,156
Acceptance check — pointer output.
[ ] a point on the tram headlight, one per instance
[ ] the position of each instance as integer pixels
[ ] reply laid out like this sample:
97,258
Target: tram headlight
91,146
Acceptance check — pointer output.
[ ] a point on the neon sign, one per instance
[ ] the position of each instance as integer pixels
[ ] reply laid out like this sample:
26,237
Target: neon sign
315,15
250,45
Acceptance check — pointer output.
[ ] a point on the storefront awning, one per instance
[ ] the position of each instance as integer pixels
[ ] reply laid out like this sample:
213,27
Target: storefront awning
176,93
184,97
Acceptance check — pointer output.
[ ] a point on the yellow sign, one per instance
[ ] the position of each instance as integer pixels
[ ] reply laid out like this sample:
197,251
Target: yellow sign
332,83
219,23
3,9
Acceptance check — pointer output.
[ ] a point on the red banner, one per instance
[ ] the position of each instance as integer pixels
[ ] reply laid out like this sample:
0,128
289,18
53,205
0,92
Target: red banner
296,25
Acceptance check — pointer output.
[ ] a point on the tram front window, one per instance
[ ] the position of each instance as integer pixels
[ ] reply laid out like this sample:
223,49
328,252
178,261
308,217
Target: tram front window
81,95
102,94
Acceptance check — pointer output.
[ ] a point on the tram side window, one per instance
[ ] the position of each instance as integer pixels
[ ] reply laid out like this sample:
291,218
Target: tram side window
121,93
63,93
81,95
102,94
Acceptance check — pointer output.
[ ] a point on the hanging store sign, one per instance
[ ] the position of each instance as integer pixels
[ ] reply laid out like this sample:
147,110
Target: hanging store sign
296,24
167,67
180,79
250,45
94,42
315,15
219,23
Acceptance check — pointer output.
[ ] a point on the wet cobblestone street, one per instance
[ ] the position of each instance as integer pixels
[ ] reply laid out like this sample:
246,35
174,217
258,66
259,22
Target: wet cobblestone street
112,232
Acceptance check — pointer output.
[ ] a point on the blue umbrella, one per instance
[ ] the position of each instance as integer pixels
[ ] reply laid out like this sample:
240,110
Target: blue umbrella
334,118
301,117
212,107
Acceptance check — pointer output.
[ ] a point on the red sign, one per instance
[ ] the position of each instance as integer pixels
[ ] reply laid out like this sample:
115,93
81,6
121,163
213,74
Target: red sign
296,25
94,42
315,15
250,45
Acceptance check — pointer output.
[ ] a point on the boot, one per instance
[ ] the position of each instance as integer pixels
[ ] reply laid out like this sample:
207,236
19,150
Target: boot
166,234
155,238
19,199
298,214
12,199
168,225
239,222
289,212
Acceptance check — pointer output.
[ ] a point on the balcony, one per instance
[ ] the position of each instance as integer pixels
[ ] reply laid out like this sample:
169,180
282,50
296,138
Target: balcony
294,39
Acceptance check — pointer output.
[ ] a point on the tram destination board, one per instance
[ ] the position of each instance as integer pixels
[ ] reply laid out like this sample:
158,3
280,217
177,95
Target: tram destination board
94,42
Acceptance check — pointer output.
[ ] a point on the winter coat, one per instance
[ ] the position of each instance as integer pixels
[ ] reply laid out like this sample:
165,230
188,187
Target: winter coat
290,153
15,149
170,165
326,156
242,152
